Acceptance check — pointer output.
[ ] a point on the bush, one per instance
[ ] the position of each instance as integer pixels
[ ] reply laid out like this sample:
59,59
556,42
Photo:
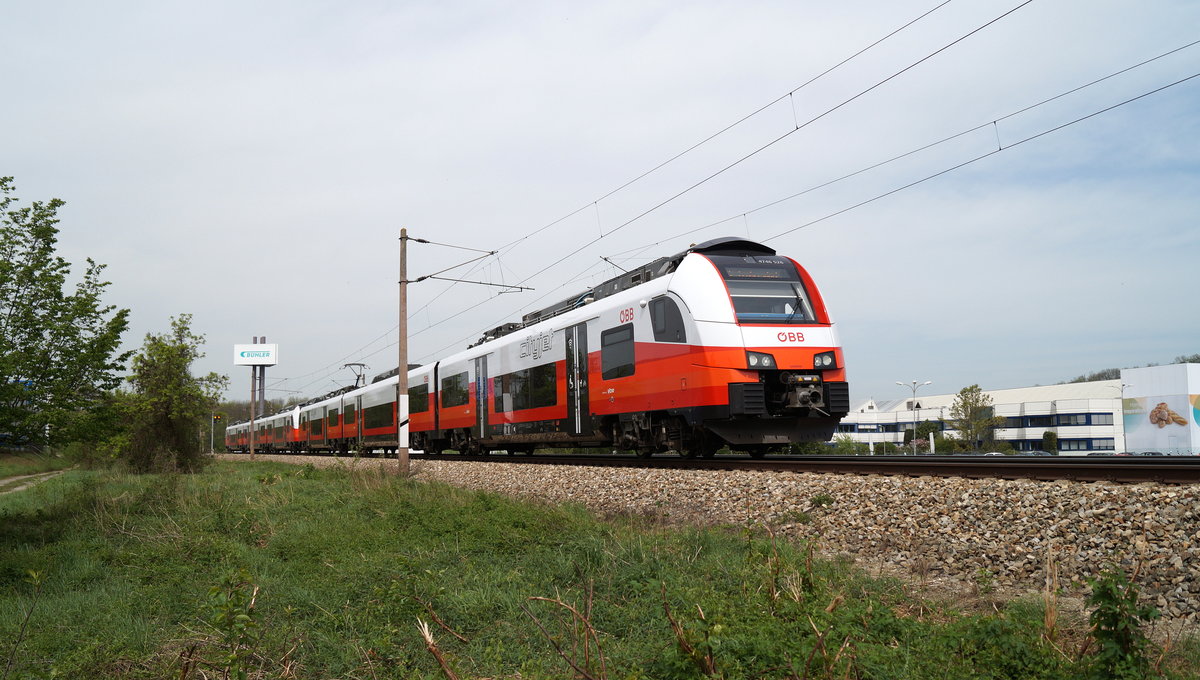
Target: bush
1050,442
168,407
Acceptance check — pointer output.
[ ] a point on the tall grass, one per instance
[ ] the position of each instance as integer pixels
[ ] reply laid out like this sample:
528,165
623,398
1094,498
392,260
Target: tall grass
20,463
263,570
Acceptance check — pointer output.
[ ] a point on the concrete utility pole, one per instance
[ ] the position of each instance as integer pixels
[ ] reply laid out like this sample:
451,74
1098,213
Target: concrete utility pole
402,360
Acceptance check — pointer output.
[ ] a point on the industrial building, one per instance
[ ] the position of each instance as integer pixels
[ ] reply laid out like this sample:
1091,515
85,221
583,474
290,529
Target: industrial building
1147,409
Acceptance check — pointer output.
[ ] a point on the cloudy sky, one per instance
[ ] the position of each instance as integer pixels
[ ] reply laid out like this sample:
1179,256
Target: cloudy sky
252,163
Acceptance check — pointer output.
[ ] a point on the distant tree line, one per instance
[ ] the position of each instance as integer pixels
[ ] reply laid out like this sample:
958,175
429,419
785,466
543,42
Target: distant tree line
1115,373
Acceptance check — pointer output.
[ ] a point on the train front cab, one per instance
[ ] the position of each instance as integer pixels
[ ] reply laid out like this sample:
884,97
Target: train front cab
765,325
737,349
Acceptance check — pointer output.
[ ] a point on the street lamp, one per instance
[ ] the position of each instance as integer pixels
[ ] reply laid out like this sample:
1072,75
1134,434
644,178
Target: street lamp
913,405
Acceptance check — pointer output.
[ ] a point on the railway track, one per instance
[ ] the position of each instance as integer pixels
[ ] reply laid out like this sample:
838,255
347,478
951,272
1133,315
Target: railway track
1160,469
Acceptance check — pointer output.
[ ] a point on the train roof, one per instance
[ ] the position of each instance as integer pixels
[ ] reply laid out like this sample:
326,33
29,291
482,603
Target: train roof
635,277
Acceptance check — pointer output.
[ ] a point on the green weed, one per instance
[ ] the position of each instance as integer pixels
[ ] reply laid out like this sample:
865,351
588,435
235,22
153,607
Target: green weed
351,560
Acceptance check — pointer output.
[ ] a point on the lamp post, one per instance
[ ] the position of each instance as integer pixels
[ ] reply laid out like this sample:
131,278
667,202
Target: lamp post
913,406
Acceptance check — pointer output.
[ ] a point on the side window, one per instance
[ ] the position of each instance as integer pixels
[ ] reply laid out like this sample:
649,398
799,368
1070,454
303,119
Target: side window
378,416
529,388
616,352
333,414
667,321
418,399
454,390
350,414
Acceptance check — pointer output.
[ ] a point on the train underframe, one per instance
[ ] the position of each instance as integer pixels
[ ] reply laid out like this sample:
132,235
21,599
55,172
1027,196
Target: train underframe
759,417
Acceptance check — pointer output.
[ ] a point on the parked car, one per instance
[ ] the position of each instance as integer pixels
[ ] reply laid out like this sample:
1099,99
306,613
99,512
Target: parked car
1036,452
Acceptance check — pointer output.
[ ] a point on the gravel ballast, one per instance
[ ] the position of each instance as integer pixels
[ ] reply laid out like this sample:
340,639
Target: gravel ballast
1002,530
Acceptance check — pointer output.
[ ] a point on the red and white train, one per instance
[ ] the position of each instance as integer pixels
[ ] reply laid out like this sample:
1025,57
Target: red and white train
726,343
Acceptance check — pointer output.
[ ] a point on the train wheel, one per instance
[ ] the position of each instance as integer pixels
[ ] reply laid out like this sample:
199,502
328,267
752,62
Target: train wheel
703,445
757,451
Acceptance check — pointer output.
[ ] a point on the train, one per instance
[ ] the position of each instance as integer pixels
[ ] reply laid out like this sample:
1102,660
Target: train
726,344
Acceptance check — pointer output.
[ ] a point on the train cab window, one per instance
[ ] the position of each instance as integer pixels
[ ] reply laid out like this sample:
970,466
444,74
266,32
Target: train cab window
454,390
765,289
418,399
616,352
667,321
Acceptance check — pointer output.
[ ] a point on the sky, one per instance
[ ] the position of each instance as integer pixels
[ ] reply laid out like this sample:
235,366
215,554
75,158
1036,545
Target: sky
251,164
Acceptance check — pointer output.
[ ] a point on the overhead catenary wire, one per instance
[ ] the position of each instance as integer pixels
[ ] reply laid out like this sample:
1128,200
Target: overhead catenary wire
945,170
980,157
994,123
728,127
749,155
603,234
595,202
779,139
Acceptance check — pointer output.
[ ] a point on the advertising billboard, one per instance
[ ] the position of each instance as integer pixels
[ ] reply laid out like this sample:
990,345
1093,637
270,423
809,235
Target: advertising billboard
255,355
1161,407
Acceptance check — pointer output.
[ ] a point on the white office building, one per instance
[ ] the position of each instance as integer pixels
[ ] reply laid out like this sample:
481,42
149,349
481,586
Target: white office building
1147,409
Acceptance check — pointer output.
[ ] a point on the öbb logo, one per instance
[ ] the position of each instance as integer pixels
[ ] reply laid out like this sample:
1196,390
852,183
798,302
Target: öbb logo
790,336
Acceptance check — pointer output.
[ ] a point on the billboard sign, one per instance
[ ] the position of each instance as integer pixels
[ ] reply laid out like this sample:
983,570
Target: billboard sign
255,355
1161,407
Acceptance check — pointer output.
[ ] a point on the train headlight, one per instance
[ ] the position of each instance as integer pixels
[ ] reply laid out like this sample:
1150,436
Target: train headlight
824,360
760,360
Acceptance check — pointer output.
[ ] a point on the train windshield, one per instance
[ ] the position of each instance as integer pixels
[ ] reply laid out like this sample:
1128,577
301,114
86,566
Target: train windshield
765,289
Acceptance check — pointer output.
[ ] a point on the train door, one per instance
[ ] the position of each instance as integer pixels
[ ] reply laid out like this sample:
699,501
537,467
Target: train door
435,402
481,397
358,424
578,418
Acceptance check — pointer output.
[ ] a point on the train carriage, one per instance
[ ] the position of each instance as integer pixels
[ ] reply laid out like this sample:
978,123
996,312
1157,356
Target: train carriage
727,343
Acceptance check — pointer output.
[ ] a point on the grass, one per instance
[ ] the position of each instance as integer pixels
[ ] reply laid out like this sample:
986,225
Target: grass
263,570
20,463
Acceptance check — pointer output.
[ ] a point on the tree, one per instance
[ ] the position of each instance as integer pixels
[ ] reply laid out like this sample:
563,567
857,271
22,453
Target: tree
1050,441
169,409
926,429
971,415
58,349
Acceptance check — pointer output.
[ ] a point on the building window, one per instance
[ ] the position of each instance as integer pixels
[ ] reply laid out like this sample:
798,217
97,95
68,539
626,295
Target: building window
1070,419
454,390
1103,444
1073,444
616,352
1102,419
